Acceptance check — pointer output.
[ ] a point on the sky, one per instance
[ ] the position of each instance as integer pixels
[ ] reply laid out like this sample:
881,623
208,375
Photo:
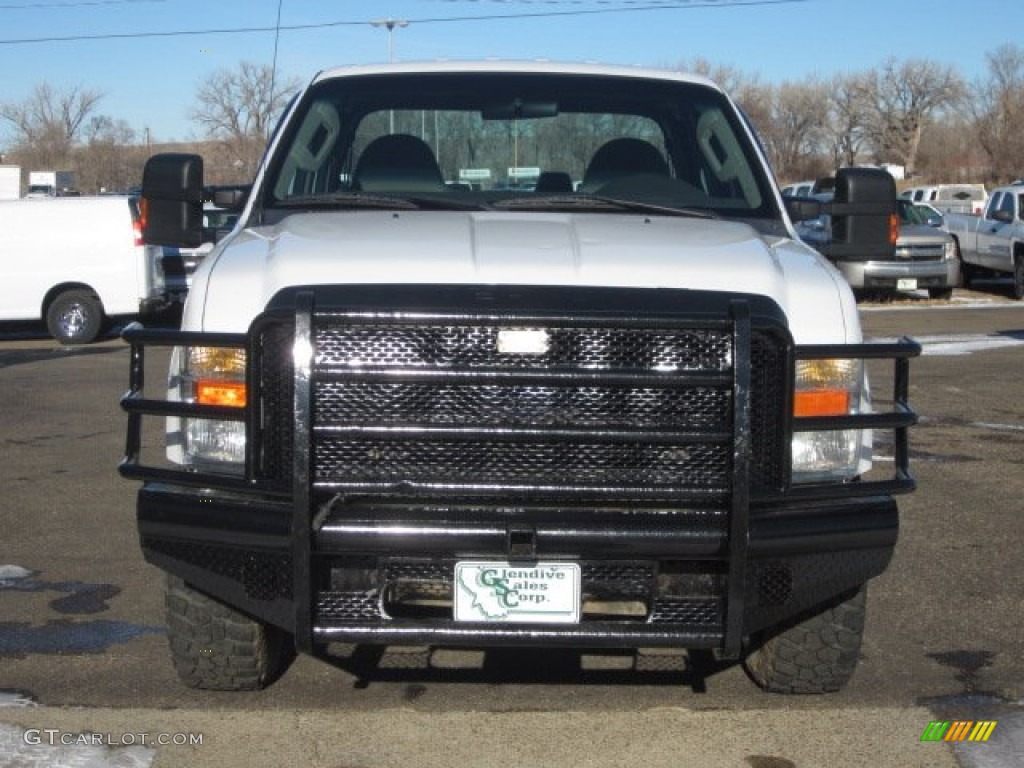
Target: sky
143,57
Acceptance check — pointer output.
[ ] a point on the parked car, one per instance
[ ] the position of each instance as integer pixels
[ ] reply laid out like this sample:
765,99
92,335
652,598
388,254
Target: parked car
925,255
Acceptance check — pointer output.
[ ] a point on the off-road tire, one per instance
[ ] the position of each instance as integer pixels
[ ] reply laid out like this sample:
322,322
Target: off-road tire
1018,276
816,655
75,317
217,648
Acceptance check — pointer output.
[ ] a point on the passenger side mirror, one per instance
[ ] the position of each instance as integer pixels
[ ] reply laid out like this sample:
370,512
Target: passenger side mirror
802,208
171,209
230,198
865,224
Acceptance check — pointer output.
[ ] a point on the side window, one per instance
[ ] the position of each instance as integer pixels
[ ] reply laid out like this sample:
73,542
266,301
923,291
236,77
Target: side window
993,205
1006,206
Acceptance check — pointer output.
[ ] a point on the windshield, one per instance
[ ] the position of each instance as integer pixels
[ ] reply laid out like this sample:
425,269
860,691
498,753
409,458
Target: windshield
493,140
912,214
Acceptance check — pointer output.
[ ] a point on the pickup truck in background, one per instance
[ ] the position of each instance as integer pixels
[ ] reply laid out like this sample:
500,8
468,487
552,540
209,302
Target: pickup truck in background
924,258
626,407
950,198
181,263
993,244
75,262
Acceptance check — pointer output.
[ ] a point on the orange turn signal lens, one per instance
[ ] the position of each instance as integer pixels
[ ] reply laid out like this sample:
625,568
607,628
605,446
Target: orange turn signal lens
220,392
821,402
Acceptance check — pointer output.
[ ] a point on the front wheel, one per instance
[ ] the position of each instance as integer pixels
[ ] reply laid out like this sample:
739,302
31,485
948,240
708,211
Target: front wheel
218,648
967,271
816,655
75,317
1018,276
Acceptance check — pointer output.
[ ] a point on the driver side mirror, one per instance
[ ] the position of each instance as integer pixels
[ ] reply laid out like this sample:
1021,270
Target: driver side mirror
865,224
172,200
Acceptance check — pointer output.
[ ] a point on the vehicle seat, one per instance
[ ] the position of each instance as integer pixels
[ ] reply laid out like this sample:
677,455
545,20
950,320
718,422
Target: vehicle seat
398,162
554,182
622,157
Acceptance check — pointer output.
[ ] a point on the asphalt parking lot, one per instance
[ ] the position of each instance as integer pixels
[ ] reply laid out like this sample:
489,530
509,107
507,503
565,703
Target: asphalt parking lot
82,644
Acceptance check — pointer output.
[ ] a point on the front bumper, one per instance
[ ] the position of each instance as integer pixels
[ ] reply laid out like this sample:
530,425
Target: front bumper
888,274
241,550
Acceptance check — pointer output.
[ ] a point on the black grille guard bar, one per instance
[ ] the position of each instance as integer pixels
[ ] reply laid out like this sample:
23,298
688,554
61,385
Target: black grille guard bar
136,405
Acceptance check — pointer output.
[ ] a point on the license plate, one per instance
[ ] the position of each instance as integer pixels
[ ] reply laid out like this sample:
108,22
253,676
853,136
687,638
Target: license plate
503,592
906,284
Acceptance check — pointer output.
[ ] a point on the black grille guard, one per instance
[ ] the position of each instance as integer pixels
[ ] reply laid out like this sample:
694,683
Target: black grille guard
301,318
307,484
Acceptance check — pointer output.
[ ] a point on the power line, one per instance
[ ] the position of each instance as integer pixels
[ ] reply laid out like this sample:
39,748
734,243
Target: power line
680,5
71,4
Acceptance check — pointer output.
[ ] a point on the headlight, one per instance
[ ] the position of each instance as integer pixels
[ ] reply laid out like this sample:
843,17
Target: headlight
949,249
213,376
830,388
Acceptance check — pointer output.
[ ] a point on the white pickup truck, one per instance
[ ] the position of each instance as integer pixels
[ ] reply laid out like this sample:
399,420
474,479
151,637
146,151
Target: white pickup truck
994,242
621,406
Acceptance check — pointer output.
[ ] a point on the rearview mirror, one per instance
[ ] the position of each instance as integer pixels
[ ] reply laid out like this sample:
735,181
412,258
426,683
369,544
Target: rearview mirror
519,109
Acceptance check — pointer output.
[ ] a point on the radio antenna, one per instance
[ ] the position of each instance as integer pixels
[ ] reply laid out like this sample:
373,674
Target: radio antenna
273,69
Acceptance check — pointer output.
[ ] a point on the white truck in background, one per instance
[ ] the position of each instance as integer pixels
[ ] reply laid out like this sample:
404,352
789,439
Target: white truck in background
74,262
950,198
10,182
50,183
993,243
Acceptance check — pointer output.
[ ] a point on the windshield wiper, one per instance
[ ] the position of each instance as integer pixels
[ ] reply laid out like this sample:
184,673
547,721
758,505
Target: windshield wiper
384,202
348,200
549,202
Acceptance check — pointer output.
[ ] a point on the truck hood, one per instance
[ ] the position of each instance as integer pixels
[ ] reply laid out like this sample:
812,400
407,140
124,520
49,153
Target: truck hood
920,233
528,248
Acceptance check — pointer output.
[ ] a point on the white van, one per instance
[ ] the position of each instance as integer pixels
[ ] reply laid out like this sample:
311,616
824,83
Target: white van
74,262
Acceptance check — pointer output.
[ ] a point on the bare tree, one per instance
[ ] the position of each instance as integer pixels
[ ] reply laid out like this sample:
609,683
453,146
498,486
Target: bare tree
238,107
108,158
998,111
844,129
900,97
48,123
795,131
